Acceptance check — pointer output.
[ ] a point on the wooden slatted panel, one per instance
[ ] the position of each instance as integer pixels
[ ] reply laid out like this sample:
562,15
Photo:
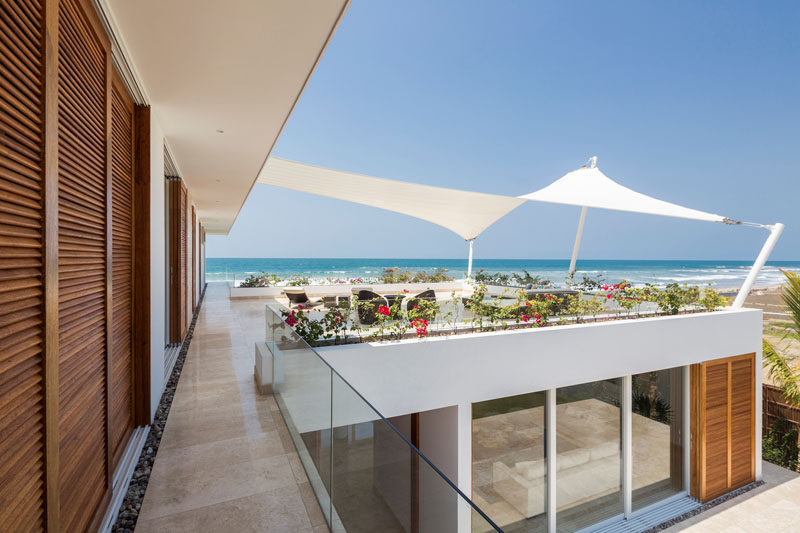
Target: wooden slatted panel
716,429
82,267
183,263
742,422
121,378
21,266
194,261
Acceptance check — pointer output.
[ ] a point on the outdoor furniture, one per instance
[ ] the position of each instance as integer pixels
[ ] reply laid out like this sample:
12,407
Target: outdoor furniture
392,298
368,314
427,296
355,290
298,296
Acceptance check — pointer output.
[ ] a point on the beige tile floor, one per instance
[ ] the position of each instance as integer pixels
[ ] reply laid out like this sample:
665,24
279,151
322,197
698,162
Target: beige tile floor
226,460
773,507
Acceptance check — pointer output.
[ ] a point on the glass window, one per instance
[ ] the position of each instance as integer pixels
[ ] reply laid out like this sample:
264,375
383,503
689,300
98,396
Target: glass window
657,404
509,480
588,453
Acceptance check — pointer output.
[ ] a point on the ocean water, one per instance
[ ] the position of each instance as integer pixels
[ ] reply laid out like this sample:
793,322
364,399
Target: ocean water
718,273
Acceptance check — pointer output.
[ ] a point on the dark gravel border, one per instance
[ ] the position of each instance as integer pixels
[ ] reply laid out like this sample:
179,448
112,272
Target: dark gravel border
705,507
129,509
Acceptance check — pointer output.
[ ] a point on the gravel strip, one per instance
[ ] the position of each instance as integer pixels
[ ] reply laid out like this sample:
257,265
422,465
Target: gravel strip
706,506
129,509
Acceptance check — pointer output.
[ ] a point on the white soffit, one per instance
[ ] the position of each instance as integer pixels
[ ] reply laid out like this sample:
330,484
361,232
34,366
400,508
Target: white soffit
589,187
238,66
465,213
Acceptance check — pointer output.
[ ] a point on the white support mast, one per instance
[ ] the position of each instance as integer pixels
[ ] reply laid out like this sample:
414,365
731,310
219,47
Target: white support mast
576,247
775,233
577,242
469,263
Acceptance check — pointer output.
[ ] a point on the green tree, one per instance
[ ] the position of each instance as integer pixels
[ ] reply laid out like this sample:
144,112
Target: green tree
782,369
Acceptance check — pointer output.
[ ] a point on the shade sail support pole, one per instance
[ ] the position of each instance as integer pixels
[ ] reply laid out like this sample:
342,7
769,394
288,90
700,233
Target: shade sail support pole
469,262
775,233
577,242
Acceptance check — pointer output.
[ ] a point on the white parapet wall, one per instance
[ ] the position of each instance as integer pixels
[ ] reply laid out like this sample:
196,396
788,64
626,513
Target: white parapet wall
411,376
444,287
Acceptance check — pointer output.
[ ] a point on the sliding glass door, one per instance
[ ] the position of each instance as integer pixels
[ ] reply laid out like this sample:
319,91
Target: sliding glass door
588,453
657,436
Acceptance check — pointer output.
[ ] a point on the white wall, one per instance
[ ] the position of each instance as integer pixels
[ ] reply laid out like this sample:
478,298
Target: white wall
157,263
412,376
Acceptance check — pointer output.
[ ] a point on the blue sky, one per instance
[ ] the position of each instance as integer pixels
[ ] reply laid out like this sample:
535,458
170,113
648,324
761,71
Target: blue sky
694,103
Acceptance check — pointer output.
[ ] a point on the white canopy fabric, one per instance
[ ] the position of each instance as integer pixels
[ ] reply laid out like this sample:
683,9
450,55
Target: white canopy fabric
465,213
589,187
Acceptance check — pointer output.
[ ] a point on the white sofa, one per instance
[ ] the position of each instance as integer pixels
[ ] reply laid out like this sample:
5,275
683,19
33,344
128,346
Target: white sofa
583,474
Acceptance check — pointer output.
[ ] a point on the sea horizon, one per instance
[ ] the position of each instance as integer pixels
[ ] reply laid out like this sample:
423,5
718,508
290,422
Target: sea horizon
718,273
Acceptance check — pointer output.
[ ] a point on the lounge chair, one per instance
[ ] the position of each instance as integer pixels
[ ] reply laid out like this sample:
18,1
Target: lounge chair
368,314
299,297
427,296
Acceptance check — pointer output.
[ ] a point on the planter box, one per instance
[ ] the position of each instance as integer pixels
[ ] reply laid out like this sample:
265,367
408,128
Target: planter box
413,375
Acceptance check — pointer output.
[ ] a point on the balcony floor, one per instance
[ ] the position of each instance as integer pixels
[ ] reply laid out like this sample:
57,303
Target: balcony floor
226,460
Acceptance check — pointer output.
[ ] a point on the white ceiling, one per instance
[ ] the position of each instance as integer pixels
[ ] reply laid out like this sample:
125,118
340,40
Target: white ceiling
234,65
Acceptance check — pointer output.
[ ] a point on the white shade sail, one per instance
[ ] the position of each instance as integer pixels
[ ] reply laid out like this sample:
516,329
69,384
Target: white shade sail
465,213
589,187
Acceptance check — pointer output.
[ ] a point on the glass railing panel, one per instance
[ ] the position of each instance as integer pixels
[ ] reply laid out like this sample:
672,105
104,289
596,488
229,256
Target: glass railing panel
365,472
303,391
380,481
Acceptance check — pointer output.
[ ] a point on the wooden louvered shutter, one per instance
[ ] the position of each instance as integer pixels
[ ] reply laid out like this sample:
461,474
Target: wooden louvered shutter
742,413
121,370
82,263
22,416
183,263
194,261
723,426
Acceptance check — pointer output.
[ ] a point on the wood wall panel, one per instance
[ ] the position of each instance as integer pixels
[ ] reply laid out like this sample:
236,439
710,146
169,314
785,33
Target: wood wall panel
82,265
121,375
183,263
22,333
742,421
723,426
194,261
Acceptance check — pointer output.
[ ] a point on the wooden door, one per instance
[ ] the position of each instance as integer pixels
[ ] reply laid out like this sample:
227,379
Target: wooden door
183,261
121,414
83,239
194,261
22,275
723,426
177,260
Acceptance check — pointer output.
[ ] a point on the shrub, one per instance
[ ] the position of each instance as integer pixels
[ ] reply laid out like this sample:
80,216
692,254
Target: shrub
395,275
263,279
297,280
712,300
780,444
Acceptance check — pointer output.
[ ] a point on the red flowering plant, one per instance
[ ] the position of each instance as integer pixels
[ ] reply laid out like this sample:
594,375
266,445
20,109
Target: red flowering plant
335,324
622,294
420,325
308,329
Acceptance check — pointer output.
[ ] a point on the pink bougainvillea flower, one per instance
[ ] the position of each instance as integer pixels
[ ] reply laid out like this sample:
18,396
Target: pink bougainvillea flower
608,296
525,318
405,290
383,310
291,321
528,304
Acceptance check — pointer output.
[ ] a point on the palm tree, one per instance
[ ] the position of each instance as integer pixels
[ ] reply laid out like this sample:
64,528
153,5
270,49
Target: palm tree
780,368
